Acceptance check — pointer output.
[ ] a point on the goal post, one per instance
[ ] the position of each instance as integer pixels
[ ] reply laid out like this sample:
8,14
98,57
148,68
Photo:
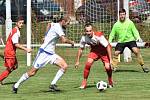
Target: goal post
28,31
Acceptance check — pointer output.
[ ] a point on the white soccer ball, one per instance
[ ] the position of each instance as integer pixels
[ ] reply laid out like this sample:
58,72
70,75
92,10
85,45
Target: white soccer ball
101,85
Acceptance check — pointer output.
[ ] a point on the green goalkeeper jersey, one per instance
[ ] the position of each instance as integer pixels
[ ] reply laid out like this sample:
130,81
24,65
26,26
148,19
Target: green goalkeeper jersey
124,32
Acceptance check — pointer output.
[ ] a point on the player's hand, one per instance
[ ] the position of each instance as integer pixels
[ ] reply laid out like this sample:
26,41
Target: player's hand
29,50
139,40
76,65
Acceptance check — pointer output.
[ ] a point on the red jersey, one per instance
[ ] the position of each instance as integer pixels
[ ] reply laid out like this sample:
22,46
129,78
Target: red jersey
10,49
98,42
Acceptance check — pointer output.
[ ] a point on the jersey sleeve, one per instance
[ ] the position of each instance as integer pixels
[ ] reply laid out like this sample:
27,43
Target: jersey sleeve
15,37
135,31
103,41
112,34
82,42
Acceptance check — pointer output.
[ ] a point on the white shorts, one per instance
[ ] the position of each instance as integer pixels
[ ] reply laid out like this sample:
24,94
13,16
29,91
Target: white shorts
44,58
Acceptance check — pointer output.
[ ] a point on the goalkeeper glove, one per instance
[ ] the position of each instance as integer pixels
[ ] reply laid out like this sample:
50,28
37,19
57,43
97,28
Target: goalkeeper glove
139,40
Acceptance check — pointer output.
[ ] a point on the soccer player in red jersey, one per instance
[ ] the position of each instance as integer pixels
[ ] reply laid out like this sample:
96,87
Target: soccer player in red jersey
10,49
100,49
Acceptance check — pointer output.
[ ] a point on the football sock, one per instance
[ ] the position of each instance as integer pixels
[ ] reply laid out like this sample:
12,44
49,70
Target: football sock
140,59
23,78
4,74
115,61
109,73
57,76
87,70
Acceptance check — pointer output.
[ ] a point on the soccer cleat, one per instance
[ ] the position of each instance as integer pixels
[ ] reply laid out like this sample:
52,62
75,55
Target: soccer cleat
53,88
110,86
14,89
145,69
83,85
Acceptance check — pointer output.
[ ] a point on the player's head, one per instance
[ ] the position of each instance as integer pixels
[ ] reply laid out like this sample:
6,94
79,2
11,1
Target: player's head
20,22
89,30
122,15
65,20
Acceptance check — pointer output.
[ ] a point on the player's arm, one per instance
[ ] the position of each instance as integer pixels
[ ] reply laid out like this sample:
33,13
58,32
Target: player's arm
48,27
112,34
23,48
66,40
79,54
135,32
109,51
15,40
80,50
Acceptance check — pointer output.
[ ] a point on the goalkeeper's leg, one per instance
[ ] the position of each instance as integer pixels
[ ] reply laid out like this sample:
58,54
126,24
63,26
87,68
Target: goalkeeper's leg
140,58
116,60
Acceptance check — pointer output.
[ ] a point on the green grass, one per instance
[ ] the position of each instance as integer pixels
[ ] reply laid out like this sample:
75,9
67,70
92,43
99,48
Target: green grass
130,82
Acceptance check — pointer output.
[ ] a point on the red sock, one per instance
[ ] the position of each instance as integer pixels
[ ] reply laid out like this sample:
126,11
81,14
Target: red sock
4,74
109,73
87,70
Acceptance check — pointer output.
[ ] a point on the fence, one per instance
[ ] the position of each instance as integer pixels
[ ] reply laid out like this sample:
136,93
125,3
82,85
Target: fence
102,13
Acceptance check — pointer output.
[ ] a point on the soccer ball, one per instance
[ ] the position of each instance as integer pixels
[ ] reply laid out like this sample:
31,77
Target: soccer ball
101,85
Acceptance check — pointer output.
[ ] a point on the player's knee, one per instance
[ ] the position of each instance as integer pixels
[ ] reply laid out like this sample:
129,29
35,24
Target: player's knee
65,66
116,53
107,66
136,52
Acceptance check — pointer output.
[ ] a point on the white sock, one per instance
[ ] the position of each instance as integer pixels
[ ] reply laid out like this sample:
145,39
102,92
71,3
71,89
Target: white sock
57,76
23,78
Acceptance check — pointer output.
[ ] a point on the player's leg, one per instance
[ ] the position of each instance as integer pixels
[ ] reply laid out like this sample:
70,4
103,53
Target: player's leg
40,61
86,72
10,64
4,75
140,60
118,50
109,73
133,46
106,62
24,77
88,64
61,63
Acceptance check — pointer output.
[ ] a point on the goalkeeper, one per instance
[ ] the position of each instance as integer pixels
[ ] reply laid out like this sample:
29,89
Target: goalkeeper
127,35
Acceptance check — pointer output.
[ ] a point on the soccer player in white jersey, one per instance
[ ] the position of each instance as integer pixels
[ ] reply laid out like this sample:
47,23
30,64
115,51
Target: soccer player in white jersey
100,49
46,54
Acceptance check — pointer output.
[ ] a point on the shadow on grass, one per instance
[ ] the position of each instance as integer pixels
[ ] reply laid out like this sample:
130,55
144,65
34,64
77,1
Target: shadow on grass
91,86
9,83
126,71
54,92
88,86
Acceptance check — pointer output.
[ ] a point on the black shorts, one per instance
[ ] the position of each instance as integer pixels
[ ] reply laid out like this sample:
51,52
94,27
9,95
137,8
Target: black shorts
120,46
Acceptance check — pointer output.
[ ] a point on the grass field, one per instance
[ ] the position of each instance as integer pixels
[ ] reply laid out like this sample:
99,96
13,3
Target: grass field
130,81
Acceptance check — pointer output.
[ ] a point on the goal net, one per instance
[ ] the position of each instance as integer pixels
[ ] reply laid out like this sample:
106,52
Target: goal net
101,13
